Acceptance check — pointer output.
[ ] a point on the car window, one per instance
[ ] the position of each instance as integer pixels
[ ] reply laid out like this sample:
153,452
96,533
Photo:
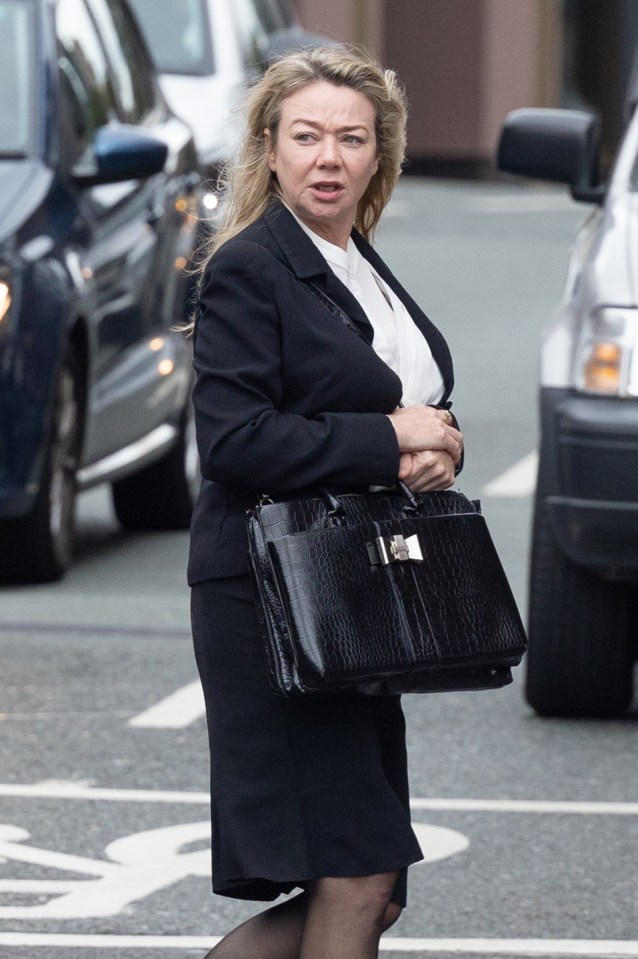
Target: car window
252,34
177,33
17,87
130,65
85,83
275,14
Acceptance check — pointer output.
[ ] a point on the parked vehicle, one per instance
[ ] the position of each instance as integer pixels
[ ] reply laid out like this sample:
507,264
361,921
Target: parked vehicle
206,51
96,183
584,557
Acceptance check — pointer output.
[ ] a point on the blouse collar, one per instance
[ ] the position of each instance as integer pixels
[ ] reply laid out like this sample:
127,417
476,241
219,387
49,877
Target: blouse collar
343,259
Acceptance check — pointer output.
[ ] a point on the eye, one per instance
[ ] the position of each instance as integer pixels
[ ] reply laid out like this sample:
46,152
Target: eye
303,137
352,138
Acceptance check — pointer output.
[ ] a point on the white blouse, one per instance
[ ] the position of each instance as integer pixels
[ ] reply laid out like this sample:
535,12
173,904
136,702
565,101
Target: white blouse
397,339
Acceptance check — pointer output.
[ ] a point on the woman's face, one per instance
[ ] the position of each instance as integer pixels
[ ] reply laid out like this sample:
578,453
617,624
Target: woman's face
325,156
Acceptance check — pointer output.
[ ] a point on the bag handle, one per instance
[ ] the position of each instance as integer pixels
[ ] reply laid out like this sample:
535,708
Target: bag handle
335,507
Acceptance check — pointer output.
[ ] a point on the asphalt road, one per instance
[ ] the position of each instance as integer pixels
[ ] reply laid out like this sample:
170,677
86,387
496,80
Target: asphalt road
530,826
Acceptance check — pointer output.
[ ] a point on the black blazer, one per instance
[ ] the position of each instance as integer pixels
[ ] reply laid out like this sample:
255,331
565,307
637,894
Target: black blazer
287,398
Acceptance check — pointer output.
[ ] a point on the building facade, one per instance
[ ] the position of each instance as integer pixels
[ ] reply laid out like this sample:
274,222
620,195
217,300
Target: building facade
466,63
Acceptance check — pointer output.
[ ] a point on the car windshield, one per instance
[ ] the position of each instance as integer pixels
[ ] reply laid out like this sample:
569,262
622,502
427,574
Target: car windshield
177,34
16,78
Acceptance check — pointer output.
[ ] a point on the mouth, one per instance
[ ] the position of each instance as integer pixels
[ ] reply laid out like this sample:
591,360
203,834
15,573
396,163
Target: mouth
327,188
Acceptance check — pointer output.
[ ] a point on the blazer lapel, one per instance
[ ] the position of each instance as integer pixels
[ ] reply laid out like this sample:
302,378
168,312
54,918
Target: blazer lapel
301,257
434,337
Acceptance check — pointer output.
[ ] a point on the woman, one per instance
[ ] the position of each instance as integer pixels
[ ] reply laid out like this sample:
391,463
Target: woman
307,795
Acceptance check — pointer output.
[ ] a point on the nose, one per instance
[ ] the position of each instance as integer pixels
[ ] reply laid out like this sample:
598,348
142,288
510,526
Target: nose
328,154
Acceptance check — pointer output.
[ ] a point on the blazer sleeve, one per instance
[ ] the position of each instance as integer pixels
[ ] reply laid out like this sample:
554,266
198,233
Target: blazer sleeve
246,436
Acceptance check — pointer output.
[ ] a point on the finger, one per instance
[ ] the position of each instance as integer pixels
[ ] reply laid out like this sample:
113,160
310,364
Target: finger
405,466
446,416
430,470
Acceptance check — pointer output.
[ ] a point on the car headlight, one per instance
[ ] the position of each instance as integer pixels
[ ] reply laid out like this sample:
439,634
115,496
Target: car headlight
606,360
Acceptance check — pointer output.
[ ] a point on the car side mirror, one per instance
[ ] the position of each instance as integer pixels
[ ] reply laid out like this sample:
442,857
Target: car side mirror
558,145
119,153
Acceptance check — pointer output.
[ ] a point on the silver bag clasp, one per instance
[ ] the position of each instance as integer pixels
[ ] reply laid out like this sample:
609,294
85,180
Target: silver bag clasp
397,549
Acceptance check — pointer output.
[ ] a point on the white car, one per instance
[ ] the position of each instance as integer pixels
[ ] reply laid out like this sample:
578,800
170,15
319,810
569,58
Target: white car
205,51
584,563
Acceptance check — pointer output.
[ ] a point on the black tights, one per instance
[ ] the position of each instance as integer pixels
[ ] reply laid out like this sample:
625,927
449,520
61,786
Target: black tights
334,918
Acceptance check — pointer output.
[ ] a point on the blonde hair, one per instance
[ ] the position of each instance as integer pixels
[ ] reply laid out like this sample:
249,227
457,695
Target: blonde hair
248,184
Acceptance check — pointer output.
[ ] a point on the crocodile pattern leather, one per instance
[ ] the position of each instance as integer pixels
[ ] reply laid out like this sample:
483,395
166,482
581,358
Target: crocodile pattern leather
332,620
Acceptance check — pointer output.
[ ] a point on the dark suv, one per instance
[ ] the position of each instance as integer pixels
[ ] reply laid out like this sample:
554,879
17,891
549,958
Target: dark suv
96,188
584,565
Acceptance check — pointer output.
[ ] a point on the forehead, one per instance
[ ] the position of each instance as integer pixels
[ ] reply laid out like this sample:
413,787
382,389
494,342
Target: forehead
321,101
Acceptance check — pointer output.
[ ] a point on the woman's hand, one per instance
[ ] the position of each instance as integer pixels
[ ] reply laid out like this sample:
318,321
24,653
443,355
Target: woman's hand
424,429
427,470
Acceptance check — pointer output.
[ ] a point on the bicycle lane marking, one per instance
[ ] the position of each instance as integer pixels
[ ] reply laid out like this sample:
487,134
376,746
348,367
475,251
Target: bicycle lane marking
137,865
145,862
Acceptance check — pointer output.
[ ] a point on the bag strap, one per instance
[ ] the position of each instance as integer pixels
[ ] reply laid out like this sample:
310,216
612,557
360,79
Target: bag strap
335,309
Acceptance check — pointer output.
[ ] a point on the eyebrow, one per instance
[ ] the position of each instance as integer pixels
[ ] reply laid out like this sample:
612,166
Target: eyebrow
346,129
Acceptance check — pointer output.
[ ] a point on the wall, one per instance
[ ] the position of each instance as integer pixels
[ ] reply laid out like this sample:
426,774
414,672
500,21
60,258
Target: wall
465,63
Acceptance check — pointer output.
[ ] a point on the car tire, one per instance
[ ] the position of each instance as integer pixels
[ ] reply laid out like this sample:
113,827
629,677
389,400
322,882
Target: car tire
579,661
38,547
162,495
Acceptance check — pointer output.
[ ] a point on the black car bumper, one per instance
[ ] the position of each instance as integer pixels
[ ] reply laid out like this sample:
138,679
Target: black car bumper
589,477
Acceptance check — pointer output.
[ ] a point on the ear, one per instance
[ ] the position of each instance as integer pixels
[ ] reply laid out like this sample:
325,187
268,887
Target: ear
271,153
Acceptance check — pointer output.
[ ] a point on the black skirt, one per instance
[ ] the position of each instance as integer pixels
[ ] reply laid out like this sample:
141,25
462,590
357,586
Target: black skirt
300,789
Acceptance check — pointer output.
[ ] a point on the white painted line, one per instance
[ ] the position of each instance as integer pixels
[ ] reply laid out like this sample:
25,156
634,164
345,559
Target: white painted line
438,842
52,789
70,941
537,806
584,948
177,711
518,480
397,208
80,790
526,203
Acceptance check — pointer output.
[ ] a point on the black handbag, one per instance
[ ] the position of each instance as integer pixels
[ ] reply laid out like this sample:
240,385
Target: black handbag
382,593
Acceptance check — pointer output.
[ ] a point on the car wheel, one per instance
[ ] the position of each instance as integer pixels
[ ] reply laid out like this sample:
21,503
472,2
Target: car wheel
579,661
162,495
38,547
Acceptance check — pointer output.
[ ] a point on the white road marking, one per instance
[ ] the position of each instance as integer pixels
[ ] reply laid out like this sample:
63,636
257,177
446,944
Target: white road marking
526,203
438,843
555,948
136,867
397,208
53,789
177,711
584,948
517,481
140,864
542,806
143,863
